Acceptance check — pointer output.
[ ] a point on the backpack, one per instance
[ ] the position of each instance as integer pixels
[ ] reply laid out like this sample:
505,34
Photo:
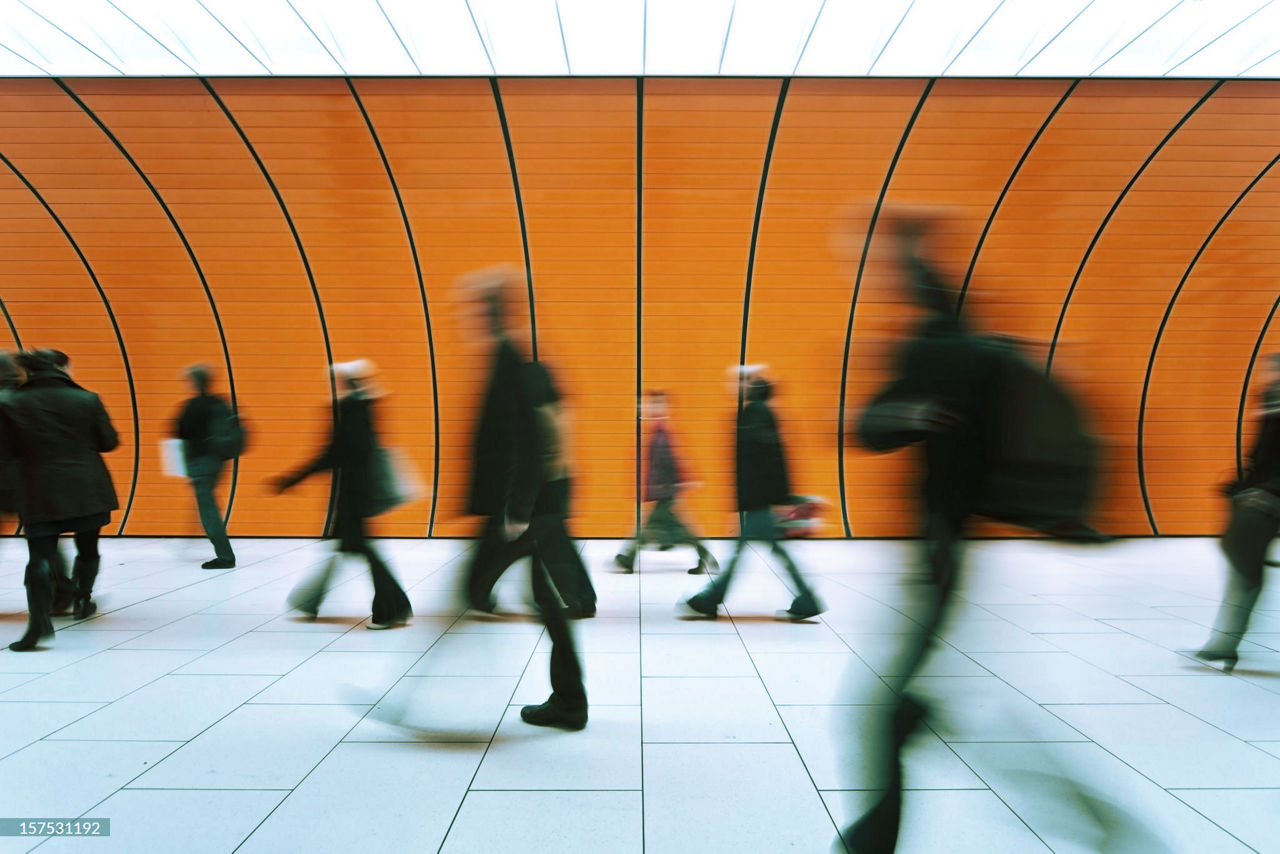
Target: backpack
227,435
1041,461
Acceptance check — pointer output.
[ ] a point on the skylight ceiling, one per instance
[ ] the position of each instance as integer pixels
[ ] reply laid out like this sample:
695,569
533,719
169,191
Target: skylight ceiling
820,38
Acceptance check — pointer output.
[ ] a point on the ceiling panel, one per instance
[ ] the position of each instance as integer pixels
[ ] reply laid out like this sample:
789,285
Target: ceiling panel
841,38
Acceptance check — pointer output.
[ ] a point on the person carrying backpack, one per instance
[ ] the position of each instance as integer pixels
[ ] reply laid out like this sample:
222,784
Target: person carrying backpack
998,439
211,435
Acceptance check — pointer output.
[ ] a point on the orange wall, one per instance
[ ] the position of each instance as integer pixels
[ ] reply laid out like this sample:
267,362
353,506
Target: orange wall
672,229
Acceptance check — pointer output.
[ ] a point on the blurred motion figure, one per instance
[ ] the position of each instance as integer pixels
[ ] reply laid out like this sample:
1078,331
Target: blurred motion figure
1254,521
57,432
662,483
211,435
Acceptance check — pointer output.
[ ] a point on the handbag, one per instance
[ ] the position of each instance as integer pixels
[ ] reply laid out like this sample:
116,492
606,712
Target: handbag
392,482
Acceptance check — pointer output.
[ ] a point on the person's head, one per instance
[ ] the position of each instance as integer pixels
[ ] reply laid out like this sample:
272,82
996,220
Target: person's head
358,376
759,390
488,292
655,405
60,360
1273,374
200,377
35,361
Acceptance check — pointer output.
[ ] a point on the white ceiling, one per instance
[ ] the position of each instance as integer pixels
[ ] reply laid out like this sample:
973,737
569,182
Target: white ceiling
816,38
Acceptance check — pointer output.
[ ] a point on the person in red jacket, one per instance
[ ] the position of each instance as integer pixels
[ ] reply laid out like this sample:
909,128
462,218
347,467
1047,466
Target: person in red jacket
662,483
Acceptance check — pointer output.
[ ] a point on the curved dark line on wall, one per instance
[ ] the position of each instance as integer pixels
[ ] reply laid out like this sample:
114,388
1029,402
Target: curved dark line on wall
1013,176
755,227
426,310
1066,302
186,244
524,231
639,493
13,330
1168,312
1244,388
115,326
306,265
853,301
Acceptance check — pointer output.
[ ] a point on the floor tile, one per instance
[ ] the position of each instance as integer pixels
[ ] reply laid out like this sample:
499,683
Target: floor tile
984,708
64,778
842,749
271,653
22,724
1173,748
605,755
612,679
255,747
102,678
1247,814
694,655
438,709
709,710
334,677
535,821
820,678
188,821
1233,705
197,631
477,655
394,797
1059,677
172,708
748,798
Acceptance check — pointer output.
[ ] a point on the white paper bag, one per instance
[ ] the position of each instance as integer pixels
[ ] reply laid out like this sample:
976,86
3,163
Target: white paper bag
172,463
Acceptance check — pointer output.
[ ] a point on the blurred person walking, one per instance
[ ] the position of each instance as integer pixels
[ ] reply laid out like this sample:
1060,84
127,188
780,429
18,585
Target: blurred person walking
762,483
1253,524
365,489
211,435
662,483
58,431
505,463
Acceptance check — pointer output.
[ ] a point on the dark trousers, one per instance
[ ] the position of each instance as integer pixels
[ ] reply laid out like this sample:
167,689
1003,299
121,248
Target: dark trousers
1252,527
44,567
567,690
877,829
758,525
204,473
560,557
666,529
390,602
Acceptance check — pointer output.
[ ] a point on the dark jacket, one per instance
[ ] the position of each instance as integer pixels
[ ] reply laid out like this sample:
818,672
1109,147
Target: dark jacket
554,482
762,466
58,431
951,369
350,456
506,465
1263,470
662,478
194,424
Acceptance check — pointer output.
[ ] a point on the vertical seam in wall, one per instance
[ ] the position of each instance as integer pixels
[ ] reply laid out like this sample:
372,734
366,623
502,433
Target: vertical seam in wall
755,226
195,262
853,301
311,280
995,209
115,326
426,311
1168,312
524,232
639,492
1115,206
17,339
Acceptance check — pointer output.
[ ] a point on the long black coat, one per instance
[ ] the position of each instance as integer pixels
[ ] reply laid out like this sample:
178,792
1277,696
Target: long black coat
350,456
58,431
762,466
505,461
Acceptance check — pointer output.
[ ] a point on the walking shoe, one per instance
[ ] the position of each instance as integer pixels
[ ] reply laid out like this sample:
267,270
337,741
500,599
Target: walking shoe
29,641
701,605
380,625
218,563
803,608
554,715
706,563
85,608
626,564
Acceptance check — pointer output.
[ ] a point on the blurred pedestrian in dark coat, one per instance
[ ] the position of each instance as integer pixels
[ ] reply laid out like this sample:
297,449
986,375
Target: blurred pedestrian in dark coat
58,432
355,457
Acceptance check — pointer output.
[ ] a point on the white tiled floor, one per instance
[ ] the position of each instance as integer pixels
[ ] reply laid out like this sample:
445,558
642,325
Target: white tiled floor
199,715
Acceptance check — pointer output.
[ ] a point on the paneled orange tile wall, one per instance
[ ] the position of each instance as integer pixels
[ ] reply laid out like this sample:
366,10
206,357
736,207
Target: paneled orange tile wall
671,229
